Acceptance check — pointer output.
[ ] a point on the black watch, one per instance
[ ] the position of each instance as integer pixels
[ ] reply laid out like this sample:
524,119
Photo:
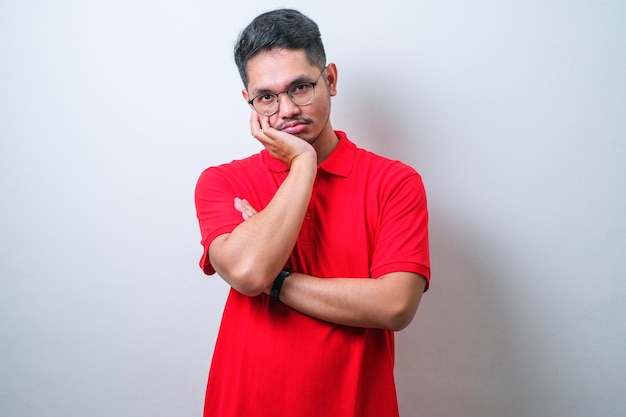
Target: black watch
278,284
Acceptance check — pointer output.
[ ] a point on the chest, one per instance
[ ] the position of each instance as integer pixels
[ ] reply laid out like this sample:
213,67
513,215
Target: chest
339,230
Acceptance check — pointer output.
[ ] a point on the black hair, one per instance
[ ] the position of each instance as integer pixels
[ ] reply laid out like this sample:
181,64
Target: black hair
282,29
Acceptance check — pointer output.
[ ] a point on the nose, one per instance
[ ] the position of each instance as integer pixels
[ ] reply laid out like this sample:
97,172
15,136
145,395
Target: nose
286,107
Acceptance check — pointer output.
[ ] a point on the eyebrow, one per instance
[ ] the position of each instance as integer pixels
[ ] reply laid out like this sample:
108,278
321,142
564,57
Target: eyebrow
301,79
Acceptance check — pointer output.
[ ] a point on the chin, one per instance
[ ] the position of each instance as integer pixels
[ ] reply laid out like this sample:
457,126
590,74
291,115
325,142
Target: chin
309,139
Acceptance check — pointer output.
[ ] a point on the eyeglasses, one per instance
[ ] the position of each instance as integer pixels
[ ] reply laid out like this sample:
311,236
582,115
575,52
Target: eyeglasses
301,94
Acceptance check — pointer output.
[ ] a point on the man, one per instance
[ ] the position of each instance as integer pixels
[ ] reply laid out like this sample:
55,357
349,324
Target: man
324,244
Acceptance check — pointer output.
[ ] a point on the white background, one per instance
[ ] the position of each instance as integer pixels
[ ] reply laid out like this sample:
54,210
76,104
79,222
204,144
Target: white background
513,112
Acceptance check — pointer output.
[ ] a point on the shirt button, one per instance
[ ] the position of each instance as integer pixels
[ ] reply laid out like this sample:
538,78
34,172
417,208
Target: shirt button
307,216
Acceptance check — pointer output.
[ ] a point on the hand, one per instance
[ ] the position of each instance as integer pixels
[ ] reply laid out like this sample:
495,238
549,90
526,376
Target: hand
245,208
282,146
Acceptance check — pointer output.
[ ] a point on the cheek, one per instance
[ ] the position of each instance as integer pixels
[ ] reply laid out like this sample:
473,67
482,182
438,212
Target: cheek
322,111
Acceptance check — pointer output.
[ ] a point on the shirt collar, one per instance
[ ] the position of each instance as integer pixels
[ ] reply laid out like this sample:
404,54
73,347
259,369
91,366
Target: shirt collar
339,162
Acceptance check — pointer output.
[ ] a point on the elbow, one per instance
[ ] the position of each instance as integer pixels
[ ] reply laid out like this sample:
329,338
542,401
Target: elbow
399,322
400,316
249,290
242,274
249,283
401,301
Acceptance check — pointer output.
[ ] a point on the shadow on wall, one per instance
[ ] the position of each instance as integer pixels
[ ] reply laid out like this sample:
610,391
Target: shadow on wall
461,356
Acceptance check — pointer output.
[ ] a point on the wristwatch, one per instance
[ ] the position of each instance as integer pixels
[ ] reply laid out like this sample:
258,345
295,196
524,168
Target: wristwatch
278,284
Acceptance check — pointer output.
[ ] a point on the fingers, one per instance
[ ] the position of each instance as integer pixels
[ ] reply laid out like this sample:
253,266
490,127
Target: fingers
261,128
269,137
265,122
255,125
281,145
245,208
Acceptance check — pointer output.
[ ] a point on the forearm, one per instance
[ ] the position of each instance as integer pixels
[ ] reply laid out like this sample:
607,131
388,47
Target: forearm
251,256
389,302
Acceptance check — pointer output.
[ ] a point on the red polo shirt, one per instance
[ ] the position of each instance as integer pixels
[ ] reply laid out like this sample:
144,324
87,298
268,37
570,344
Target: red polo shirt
367,217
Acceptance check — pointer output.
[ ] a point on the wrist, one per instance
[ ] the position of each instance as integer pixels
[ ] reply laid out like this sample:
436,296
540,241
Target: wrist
278,284
305,160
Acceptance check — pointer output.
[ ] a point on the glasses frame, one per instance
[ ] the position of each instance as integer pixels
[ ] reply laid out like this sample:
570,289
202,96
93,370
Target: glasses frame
288,92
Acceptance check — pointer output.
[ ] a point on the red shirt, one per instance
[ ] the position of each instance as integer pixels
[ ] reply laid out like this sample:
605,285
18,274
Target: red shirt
367,217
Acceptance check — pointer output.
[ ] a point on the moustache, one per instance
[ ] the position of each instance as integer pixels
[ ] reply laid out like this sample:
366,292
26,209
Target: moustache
293,122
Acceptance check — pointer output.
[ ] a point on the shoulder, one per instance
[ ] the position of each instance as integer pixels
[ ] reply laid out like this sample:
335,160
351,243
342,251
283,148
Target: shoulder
371,164
244,164
238,168
384,169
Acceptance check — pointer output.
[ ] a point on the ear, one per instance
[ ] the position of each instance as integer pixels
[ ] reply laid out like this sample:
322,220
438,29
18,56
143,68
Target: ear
331,76
244,93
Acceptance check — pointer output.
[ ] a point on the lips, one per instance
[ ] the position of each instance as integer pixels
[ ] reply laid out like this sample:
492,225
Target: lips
293,127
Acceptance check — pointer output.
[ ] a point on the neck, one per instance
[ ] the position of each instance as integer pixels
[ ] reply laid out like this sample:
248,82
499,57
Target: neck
326,143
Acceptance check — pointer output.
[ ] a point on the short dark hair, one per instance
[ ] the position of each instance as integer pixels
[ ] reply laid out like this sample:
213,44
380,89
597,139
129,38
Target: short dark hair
282,29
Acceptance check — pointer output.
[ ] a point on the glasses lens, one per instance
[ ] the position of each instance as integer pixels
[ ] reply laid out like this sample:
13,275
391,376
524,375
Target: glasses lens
302,94
266,104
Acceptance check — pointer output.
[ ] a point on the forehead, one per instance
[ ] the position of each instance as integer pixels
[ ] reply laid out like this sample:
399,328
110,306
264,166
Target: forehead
277,69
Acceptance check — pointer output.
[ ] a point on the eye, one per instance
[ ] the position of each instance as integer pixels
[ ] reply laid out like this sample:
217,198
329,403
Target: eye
266,98
300,88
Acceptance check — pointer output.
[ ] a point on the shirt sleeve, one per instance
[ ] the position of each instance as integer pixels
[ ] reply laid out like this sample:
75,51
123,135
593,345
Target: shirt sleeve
214,199
402,238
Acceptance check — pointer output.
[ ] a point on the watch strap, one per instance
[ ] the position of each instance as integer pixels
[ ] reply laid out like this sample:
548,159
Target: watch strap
277,285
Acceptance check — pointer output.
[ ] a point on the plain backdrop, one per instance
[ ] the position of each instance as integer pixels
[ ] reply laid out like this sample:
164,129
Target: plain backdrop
513,112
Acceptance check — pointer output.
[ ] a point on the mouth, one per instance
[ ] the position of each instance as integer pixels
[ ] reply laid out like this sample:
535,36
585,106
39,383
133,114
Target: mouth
293,126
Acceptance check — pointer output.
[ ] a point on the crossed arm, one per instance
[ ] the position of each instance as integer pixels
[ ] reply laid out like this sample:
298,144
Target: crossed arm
268,237
387,302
